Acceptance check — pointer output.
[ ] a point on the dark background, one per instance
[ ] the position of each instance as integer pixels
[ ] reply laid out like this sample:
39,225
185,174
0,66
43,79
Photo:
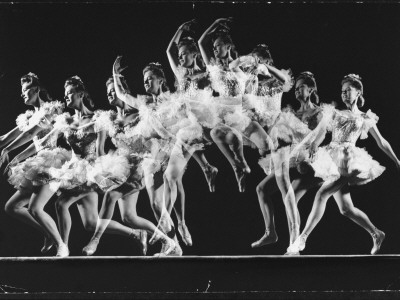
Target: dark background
56,41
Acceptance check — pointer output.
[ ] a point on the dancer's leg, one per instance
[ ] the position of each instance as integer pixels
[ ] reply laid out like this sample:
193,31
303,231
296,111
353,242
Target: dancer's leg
318,209
265,189
17,207
255,133
346,207
210,172
230,142
36,208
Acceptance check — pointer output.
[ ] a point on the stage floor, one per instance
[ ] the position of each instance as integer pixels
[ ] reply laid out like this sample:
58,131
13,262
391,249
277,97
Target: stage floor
214,277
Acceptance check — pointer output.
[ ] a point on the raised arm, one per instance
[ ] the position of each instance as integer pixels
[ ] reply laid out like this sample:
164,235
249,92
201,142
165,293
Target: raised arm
204,41
119,90
172,49
384,145
278,74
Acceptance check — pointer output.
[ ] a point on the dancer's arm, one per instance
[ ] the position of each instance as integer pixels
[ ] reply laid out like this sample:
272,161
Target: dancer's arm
9,136
278,74
119,90
22,139
206,38
29,151
384,145
172,49
100,142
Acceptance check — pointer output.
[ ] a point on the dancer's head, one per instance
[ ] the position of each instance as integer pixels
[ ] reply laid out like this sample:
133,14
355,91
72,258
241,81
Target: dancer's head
306,88
112,95
32,90
154,79
223,46
189,54
76,94
352,90
262,52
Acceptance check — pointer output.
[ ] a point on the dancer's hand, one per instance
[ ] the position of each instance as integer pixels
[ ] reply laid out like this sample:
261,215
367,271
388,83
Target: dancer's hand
398,165
222,23
117,69
187,25
4,157
13,163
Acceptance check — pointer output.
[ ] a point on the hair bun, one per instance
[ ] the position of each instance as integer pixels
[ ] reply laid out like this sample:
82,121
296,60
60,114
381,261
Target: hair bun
307,74
262,46
156,65
353,76
76,77
33,75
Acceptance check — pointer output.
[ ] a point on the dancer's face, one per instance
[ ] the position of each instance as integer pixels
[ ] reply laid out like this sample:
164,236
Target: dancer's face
112,96
186,58
302,90
220,48
29,93
152,84
261,60
72,97
349,93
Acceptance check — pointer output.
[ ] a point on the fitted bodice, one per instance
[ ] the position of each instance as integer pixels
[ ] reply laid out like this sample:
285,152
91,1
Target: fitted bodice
347,127
82,141
225,82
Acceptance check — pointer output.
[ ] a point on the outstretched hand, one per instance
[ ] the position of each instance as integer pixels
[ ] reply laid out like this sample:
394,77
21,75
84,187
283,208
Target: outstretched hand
4,157
117,69
13,163
398,165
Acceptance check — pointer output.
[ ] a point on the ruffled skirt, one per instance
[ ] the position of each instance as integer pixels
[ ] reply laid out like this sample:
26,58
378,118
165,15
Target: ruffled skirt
113,169
35,170
346,160
72,177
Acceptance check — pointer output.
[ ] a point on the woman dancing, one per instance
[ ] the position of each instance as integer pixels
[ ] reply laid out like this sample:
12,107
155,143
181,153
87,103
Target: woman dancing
228,134
264,88
71,178
30,178
341,163
310,114
194,90
118,185
159,122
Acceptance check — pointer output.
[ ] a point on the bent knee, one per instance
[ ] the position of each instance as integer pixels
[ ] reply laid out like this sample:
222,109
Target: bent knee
90,225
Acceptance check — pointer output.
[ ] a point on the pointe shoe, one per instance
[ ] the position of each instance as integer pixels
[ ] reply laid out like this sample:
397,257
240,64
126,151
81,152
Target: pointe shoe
298,245
47,245
168,245
91,248
210,172
378,237
177,251
62,250
143,241
185,234
266,239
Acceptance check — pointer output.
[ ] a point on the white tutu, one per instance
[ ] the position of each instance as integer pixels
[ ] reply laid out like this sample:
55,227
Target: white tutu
36,169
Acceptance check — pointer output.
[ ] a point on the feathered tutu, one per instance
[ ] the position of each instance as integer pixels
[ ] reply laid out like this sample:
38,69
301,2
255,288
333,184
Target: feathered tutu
72,176
346,160
36,169
111,170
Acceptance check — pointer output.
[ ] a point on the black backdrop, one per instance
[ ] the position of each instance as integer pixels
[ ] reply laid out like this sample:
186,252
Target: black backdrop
56,41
